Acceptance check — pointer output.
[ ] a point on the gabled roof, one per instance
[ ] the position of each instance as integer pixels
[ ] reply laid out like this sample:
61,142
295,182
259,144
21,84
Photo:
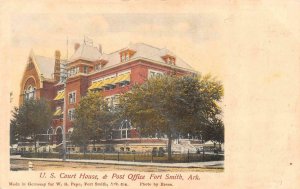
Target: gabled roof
86,52
45,65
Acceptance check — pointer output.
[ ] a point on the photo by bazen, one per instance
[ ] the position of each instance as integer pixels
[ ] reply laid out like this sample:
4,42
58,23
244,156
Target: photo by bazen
139,104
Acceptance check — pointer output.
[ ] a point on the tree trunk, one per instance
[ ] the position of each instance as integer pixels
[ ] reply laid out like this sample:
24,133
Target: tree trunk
202,148
84,147
169,147
94,145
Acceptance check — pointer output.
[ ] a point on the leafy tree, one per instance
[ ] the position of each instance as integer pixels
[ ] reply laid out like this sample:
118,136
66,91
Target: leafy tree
14,136
92,120
171,105
29,120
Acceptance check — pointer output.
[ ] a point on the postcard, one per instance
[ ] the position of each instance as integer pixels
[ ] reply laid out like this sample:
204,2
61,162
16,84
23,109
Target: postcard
150,94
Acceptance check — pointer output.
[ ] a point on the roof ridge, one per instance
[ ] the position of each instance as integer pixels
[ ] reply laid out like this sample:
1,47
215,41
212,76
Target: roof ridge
135,44
148,45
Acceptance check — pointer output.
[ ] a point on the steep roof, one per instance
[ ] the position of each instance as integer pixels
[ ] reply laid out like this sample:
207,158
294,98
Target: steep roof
45,65
142,50
86,52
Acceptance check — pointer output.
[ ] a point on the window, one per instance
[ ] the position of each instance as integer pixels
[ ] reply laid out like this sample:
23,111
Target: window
125,128
110,87
72,97
127,56
123,57
71,114
112,101
169,60
73,71
85,69
125,83
116,100
29,93
154,73
173,61
124,72
97,67
97,80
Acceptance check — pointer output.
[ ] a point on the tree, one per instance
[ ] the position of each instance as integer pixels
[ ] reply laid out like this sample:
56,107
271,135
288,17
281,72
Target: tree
92,120
29,120
171,105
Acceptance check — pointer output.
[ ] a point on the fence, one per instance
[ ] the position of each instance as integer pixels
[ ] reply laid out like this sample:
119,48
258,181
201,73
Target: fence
130,156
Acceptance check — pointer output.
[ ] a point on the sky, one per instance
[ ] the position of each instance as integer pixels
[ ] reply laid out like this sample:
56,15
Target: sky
189,36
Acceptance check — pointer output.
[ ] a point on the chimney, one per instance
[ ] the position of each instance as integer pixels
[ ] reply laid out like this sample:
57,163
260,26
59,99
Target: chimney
76,46
100,48
57,66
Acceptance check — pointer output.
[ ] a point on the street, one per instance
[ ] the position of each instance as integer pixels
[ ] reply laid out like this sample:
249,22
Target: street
22,165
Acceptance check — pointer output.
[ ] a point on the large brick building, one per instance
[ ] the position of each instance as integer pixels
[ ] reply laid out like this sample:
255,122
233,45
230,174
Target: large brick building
91,69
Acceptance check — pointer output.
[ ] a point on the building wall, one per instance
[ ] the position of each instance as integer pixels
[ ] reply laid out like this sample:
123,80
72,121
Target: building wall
79,83
31,77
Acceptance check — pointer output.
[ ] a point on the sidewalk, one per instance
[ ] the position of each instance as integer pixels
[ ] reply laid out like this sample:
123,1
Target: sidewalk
209,164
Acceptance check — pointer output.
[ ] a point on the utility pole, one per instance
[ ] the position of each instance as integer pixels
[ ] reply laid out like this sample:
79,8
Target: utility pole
64,124
64,80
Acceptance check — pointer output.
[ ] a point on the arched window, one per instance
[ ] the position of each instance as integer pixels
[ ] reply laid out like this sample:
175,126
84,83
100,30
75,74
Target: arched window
125,128
29,93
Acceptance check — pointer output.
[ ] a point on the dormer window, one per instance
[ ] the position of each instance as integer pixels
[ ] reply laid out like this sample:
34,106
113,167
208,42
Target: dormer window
85,69
169,59
123,57
97,67
99,64
173,61
126,55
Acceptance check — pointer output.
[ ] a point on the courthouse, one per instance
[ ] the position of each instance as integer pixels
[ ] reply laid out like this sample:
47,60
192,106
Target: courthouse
90,69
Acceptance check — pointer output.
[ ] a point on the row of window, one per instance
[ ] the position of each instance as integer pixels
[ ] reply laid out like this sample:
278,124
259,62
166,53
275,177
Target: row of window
72,95
154,73
170,60
75,70
113,100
